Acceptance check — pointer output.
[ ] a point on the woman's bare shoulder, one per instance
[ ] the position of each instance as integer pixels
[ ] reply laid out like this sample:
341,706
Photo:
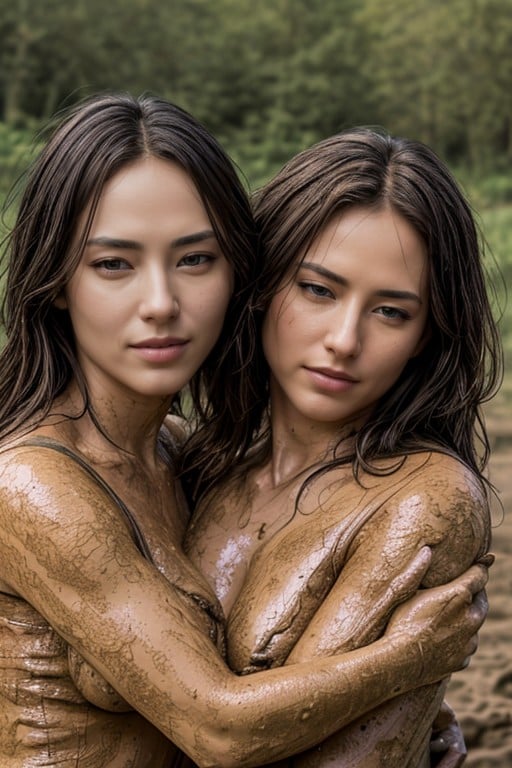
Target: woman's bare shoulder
21,461
441,502
426,498
444,478
436,474
438,480
40,486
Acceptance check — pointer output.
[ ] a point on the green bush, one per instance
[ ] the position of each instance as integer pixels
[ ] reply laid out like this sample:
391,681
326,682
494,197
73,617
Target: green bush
17,148
493,189
497,189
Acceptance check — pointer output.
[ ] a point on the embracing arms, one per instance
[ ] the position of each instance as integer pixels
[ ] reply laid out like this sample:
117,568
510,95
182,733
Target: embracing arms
361,562
65,549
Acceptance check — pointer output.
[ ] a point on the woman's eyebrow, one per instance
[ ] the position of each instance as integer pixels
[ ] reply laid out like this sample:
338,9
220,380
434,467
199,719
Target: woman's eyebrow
324,272
388,293
391,293
196,237
114,242
133,245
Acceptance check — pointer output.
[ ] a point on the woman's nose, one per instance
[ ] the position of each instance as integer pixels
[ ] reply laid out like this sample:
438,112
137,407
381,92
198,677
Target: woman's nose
159,299
343,337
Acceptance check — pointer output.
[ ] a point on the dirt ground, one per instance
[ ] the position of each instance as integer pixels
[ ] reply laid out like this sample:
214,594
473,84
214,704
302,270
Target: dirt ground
482,693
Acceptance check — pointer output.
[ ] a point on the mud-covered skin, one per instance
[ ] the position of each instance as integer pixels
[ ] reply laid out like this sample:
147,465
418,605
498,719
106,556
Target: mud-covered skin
67,551
57,709
325,578
45,719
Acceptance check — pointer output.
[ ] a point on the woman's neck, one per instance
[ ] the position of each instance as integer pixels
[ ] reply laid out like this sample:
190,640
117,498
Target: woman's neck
109,425
299,445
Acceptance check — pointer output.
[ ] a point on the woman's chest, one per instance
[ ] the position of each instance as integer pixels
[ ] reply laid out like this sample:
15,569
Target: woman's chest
157,514
280,538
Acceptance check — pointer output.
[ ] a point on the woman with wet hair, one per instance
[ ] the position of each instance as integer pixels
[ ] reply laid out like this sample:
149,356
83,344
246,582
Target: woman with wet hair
378,349
130,266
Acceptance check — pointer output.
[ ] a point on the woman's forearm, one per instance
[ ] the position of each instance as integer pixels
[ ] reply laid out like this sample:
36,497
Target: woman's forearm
250,720
81,570
223,720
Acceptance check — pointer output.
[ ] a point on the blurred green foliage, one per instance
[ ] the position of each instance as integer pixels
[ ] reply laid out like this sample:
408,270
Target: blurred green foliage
497,228
271,76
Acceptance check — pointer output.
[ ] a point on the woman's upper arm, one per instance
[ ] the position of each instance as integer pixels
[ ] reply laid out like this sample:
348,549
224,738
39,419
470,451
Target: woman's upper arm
65,548
443,508
68,551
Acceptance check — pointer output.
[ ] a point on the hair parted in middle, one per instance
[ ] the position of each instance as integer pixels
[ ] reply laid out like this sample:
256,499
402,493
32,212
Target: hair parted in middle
90,144
436,401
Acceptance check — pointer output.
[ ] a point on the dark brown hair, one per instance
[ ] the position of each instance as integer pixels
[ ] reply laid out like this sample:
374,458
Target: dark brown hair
90,144
436,401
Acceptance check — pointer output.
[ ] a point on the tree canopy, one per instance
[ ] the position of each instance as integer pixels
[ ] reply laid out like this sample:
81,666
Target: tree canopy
271,76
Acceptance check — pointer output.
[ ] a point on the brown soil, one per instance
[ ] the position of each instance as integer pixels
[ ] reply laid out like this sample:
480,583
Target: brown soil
482,693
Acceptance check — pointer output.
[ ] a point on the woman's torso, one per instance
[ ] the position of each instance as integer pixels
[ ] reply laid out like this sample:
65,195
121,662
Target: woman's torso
55,709
265,556
322,577
45,720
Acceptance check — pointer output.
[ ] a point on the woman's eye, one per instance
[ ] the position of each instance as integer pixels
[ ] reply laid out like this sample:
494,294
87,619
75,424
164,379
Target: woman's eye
112,265
393,313
319,291
195,259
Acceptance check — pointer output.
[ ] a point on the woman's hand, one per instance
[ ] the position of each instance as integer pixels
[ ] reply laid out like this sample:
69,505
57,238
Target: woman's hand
447,745
442,623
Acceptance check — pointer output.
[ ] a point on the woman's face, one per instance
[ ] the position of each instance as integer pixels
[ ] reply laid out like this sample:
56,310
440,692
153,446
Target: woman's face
148,299
339,333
